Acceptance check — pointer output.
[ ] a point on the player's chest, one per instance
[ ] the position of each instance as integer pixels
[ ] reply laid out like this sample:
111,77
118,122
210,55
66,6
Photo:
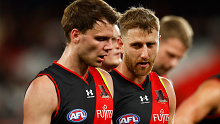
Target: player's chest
83,103
148,106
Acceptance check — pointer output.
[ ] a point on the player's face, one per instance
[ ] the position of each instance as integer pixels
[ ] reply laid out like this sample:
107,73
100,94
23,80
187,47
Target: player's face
140,50
170,52
95,44
113,58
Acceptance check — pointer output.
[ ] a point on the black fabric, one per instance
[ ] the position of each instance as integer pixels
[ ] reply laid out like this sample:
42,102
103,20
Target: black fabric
127,98
73,94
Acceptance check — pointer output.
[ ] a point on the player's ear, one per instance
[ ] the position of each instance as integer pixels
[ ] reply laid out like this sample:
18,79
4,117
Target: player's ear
159,38
75,33
120,44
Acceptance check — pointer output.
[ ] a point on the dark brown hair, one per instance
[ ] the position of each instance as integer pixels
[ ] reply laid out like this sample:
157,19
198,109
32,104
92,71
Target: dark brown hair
83,14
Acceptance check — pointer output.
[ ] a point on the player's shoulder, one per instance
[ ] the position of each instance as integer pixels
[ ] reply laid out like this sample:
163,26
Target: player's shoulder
41,90
103,71
42,82
40,86
166,82
211,86
169,88
210,90
40,99
108,78
171,94
211,83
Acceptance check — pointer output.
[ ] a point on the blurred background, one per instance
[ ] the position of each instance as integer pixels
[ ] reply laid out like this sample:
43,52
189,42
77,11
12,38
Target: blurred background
31,38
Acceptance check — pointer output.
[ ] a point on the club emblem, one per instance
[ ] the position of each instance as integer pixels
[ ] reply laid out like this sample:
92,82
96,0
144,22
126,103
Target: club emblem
160,96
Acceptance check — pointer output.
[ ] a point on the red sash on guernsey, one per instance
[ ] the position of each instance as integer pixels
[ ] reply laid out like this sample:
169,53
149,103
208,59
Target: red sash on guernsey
104,101
160,111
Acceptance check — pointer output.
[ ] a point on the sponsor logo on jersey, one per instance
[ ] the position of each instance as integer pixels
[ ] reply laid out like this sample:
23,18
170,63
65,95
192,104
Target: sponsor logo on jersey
144,99
128,119
160,96
162,117
89,94
104,113
104,93
76,115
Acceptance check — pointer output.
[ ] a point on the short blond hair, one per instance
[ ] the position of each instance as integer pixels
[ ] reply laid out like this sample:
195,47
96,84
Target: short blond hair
138,18
176,27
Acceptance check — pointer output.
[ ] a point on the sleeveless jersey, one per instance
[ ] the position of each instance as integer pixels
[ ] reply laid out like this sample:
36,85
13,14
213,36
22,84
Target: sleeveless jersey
146,103
212,119
84,101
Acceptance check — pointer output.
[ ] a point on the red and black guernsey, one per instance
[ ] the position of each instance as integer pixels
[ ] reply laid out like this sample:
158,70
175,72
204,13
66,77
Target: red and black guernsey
146,103
212,118
84,101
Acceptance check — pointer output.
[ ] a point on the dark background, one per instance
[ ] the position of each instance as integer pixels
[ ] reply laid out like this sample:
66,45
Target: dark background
31,37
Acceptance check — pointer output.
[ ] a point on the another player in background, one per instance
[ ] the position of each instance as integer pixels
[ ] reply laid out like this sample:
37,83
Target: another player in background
176,38
113,59
202,107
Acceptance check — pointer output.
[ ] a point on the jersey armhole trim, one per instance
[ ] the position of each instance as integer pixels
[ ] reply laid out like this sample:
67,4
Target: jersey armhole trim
58,92
104,80
164,88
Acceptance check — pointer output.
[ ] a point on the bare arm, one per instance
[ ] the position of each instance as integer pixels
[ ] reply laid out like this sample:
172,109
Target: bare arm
109,80
200,104
172,99
40,101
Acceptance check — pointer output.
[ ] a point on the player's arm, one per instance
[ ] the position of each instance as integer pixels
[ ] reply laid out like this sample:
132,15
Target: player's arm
40,101
109,80
200,104
172,99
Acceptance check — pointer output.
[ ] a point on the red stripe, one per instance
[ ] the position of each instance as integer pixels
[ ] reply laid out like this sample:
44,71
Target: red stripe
139,85
55,62
101,102
58,92
158,107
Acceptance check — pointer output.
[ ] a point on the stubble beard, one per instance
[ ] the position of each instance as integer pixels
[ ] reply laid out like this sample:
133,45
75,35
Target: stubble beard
136,69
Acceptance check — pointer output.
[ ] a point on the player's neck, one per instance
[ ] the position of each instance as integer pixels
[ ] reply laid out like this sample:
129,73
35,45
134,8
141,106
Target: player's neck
108,68
70,61
122,68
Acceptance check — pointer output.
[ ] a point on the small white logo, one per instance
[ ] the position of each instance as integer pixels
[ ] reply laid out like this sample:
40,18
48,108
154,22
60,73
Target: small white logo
144,99
89,93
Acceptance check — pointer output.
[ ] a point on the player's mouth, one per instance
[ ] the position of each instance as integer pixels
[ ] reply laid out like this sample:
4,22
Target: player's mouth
144,64
117,54
102,58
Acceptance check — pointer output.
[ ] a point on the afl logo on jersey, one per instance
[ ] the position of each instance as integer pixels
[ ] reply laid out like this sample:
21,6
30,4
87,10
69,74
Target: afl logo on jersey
128,119
76,115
